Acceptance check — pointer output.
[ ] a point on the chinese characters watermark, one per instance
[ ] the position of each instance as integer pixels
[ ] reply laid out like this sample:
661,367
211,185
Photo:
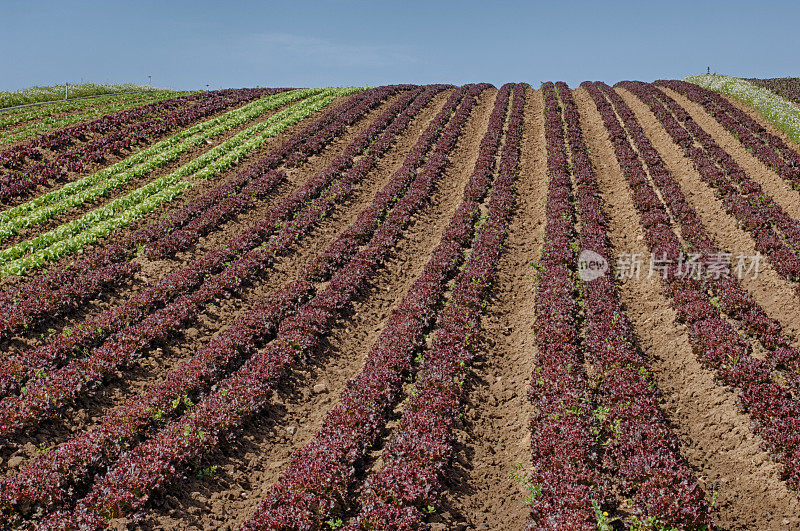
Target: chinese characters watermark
628,266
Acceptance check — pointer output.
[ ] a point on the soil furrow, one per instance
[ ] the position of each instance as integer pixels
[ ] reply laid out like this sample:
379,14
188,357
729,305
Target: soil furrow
763,122
714,432
251,465
153,270
110,158
200,187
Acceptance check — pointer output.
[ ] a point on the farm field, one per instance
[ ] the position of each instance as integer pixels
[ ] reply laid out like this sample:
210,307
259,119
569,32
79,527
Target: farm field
403,307
47,94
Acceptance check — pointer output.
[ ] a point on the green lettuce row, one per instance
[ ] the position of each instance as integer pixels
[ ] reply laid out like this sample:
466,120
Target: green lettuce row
102,182
12,116
46,122
99,223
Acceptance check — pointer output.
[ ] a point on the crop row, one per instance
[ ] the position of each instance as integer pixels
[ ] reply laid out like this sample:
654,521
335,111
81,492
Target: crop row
223,202
16,369
111,126
639,448
53,478
64,288
22,159
177,113
417,455
717,344
11,117
742,197
43,482
562,443
114,321
130,482
733,300
768,148
41,119
20,156
320,474
103,182
99,223
787,227
54,94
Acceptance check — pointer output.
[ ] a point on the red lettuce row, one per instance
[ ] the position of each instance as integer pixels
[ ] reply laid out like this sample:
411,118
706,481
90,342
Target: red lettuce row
217,273
742,198
417,456
768,148
640,450
53,478
734,301
49,481
239,197
130,482
319,476
16,156
120,132
60,291
564,451
16,369
774,414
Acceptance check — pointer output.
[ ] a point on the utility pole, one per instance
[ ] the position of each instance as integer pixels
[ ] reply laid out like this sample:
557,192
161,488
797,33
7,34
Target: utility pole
66,91
708,70
148,83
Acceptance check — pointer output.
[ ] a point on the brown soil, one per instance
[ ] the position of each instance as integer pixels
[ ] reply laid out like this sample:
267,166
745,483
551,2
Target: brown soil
714,432
766,124
200,187
79,211
153,270
110,158
136,101
157,362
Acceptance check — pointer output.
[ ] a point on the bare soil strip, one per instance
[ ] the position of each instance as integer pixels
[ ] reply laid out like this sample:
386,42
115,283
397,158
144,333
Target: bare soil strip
714,432
766,124
153,270
200,187
135,183
110,158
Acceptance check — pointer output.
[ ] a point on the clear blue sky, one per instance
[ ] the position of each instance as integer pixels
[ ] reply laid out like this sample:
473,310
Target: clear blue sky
188,44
